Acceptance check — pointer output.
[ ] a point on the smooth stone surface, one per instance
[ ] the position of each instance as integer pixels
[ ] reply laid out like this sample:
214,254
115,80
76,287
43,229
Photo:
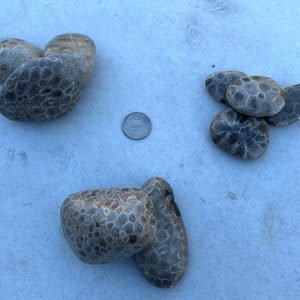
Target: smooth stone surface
218,82
78,49
14,52
108,224
291,111
256,96
237,134
164,262
40,89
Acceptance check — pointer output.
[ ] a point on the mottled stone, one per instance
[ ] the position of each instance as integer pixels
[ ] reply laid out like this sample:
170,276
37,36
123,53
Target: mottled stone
164,262
40,89
217,83
108,224
237,134
77,49
291,111
48,87
256,96
14,52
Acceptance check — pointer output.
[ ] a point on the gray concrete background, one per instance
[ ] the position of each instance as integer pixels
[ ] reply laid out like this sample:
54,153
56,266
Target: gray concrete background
242,218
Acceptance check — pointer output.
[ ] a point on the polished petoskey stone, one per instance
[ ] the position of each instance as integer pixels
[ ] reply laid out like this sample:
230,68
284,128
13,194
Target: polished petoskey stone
40,89
164,262
218,82
256,96
14,52
77,49
48,87
240,135
108,224
291,111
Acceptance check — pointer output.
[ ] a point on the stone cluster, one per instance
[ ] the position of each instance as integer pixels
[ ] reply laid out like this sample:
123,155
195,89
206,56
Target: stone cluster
111,224
254,101
43,85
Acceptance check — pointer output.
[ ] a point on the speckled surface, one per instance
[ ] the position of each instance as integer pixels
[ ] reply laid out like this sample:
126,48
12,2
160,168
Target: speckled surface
242,218
108,224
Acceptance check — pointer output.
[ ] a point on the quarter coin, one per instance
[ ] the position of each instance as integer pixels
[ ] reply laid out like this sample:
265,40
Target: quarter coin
136,126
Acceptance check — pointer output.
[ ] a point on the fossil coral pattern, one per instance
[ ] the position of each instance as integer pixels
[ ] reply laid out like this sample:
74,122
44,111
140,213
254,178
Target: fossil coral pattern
43,88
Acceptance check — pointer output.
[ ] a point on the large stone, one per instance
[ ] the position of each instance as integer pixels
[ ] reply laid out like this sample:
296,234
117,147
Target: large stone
108,224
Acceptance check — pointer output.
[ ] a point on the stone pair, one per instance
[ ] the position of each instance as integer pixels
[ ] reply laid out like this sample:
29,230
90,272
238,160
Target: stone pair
43,85
116,223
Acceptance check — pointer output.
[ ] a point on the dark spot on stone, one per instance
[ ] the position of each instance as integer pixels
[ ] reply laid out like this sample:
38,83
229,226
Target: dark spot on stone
82,253
264,86
246,79
10,96
168,193
57,93
256,77
132,239
239,97
177,211
55,80
253,103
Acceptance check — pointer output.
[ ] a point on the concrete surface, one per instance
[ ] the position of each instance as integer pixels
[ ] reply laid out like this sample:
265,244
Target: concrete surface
242,218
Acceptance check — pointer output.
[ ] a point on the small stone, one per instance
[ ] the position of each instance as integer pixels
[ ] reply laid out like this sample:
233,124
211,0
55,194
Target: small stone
256,96
237,134
291,111
217,83
164,262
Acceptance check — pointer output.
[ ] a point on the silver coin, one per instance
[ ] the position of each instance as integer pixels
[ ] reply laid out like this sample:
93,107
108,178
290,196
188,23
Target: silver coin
136,126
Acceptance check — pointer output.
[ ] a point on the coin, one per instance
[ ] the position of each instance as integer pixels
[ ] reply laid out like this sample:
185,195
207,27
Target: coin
136,126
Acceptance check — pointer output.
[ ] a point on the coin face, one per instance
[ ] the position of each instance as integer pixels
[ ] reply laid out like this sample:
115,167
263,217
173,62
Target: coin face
136,126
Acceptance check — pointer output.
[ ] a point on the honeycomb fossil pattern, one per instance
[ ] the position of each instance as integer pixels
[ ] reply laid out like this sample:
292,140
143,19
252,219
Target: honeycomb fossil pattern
291,111
164,262
256,96
108,224
40,89
37,89
217,83
237,134
14,52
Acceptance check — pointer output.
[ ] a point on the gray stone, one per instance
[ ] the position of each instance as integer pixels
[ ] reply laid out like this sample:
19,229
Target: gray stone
256,96
217,83
237,134
291,111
